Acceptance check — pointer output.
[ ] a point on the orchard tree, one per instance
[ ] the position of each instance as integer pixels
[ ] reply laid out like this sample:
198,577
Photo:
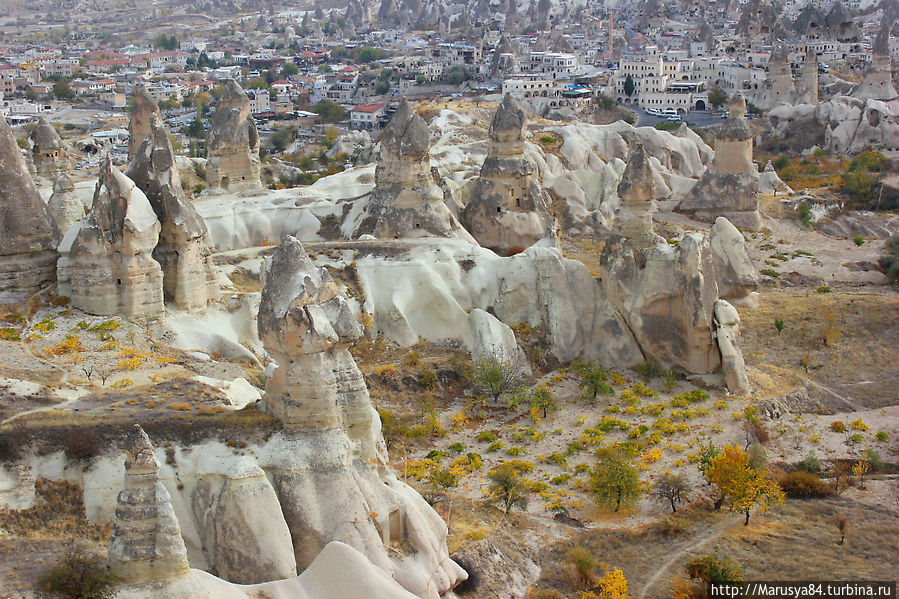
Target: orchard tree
543,399
594,381
614,481
724,471
755,489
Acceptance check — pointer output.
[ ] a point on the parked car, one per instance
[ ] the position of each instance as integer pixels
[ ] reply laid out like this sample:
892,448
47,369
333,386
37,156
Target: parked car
674,118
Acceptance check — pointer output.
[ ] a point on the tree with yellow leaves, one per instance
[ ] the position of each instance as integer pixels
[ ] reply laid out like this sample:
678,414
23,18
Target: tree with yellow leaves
613,585
733,477
725,470
755,489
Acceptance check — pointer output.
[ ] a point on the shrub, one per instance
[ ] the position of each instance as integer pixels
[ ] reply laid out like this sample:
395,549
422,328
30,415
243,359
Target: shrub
81,445
810,464
838,426
768,272
648,369
789,173
712,569
781,162
874,460
495,446
583,561
890,259
858,240
79,575
823,289
779,324
486,436
457,447
427,378
804,485
882,436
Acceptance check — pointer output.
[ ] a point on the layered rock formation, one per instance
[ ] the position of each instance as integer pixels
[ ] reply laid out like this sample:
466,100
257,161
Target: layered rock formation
109,267
27,236
508,207
730,185
735,273
336,485
65,207
407,202
233,163
146,544
141,114
183,250
47,151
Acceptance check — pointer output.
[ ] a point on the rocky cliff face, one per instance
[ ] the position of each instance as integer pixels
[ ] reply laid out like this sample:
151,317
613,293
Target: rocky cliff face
508,211
233,163
109,267
48,151
141,113
729,187
28,237
636,195
333,446
407,202
183,250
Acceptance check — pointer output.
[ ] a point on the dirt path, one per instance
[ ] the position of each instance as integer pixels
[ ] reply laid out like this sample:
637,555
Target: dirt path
833,393
698,541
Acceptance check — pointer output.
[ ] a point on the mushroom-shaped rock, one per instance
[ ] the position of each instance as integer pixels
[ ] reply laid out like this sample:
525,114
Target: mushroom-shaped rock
183,250
233,163
332,444
65,207
407,202
730,185
142,112
27,236
47,151
508,210
109,267
146,545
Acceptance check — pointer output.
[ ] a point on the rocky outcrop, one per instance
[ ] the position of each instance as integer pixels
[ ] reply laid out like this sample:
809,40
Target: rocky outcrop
233,163
770,181
65,207
727,335
183,250
505,58
27,236
141,114
48,151
109,268
332,441
729,187
508,208
735,273
407,202
146,545
242,528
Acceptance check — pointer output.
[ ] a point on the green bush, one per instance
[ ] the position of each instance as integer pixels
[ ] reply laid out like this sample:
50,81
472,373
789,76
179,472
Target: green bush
804,213
457,447
768,272
890,259
858,240
789,173
781,162
583,562
79,575
811,463
712,569
486,436
874,460
649,369
804,485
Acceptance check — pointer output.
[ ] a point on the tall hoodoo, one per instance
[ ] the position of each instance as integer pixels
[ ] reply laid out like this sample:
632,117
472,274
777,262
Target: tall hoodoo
407,202
141,114
233,163
109,268
65,207
508,207
337,485
27,236
729,187
779,84
636,194
48,151
146,544
807,87
878,83
183,250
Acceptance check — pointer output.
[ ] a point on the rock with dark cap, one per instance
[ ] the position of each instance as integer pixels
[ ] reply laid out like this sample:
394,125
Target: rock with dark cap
28,237
636,195
183,250
233,163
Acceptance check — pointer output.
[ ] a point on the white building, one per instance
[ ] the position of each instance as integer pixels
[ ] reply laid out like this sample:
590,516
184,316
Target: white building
260,101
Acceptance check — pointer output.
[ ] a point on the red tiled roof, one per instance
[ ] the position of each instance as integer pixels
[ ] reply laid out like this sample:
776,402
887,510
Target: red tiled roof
367,108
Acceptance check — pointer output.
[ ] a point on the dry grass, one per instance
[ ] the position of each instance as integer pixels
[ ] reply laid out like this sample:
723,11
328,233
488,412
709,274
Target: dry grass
585,250
58,513
860,364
